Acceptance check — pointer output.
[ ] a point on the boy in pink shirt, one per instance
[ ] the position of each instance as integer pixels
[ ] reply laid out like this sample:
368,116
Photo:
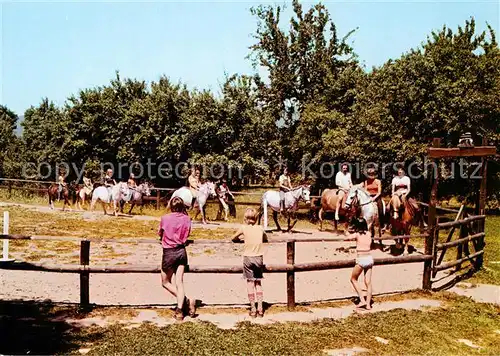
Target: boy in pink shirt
174,230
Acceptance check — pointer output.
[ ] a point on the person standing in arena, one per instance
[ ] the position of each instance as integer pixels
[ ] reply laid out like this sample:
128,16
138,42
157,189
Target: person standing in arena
173,231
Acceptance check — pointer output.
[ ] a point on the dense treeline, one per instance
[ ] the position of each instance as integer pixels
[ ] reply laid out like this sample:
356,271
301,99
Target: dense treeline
318,104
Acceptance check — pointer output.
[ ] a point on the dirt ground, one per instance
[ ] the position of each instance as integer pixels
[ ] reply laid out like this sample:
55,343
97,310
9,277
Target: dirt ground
146,289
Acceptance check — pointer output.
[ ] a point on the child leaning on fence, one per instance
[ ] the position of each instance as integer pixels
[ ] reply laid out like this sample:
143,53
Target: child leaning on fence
174,230
253,259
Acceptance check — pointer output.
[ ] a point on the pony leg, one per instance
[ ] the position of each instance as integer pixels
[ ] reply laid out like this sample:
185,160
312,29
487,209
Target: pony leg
405,252
197,213
131,207
275,218
202,210
293,224
320,217
406,241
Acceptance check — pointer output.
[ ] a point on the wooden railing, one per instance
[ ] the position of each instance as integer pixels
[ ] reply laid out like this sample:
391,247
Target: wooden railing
471,229
84,269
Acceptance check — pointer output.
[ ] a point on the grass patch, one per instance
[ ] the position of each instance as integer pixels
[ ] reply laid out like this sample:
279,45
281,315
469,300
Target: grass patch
30,222
434,331
209,251
490,273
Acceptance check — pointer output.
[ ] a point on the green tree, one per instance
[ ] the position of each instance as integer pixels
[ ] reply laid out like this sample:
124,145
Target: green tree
308,64
10,145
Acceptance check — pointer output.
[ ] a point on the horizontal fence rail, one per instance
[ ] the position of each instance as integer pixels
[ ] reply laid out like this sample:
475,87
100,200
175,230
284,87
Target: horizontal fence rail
197,241
269,268
290,268
465,221
463,240
448,265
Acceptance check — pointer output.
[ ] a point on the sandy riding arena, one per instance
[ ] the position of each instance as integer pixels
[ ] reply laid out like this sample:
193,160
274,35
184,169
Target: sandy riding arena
145,289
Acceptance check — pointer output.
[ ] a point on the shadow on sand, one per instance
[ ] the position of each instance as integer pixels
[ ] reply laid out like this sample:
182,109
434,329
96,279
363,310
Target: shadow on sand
38,328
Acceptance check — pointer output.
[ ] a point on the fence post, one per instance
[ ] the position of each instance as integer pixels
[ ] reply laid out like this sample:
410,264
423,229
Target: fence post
290,276
435,241
481,204
84,274
157,200
432,224
5,251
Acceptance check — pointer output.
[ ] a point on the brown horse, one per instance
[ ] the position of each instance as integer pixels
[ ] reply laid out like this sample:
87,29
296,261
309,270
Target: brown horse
83,195
65,194
409,215
329,199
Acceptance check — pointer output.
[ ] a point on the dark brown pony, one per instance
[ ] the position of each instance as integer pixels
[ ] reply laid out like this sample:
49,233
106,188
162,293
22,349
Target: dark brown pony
409,215
65,194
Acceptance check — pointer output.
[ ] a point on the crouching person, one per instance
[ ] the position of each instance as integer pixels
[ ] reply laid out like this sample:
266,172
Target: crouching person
364,262
174,231
253,259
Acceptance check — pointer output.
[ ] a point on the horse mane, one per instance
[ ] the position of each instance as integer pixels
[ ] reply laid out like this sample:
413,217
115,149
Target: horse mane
300,186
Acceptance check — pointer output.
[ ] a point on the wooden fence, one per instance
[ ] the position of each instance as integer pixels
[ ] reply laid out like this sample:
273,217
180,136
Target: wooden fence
470,230
84,269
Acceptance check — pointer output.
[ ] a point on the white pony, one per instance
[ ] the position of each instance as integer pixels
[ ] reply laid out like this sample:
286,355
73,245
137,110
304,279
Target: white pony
360,201
135,196
102,194
206,190
271,198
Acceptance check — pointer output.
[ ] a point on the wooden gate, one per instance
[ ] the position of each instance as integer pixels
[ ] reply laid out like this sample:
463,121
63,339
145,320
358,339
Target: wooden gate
458,246
466,233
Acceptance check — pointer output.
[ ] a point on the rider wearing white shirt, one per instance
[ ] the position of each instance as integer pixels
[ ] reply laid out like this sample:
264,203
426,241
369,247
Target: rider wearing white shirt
87,184
194,184
344,183
109,181
131,181
285,186
401,187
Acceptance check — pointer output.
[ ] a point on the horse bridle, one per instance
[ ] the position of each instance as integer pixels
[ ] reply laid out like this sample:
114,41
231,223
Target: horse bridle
354,202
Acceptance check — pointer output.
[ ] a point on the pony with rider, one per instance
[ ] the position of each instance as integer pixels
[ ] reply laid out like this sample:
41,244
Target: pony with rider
365,200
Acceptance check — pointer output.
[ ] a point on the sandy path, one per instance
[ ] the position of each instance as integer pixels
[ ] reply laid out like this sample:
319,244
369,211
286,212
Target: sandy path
231,320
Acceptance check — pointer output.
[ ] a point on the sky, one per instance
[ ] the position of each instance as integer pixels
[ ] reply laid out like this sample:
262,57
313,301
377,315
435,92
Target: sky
54,49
